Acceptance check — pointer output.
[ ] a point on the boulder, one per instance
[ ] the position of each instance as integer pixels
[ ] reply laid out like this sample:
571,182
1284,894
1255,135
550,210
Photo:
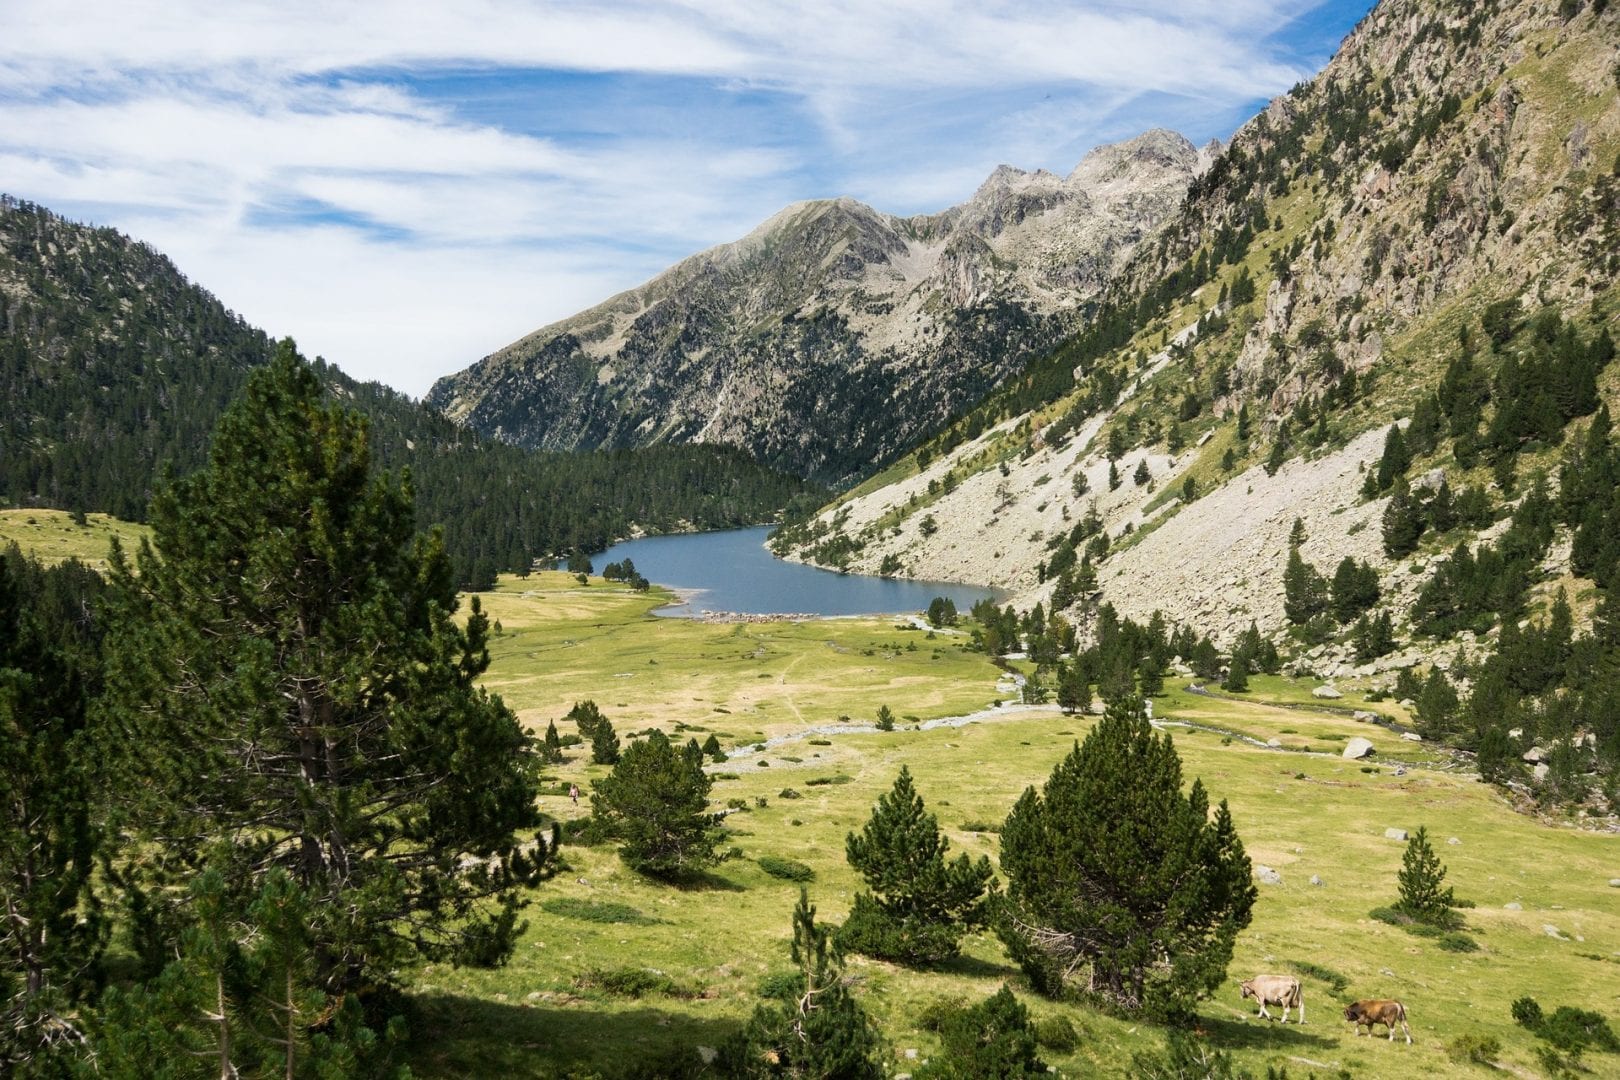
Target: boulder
707,1054
1540,772
1453,840
1316,880
1395,834
1327,692
1553,932
1357,748
1364,716
1534,756
1407,703
1274,743
1614,883
1411,736
1267,875
1513,906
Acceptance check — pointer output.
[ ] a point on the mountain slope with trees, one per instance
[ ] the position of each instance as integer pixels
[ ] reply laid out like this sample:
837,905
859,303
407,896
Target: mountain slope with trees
1388,310
114,367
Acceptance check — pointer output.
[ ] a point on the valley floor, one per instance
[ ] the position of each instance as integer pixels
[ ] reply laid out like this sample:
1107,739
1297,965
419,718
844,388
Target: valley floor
1301,809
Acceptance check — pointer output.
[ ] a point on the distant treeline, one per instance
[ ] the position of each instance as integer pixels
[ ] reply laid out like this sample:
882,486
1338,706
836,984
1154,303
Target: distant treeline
115,368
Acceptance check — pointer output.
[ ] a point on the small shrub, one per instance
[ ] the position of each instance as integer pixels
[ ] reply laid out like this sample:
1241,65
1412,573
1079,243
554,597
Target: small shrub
788,793
626,982
1527,1013
726,776
737,804
933,1016
782,986
820,742
789,758
596,911
981,826
1057,1033
761,802
786,869
1456,941
1474,1049
820,781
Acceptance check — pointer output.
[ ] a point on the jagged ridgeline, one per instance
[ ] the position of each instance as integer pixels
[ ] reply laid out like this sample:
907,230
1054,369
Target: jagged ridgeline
833,336
114,367
1376,344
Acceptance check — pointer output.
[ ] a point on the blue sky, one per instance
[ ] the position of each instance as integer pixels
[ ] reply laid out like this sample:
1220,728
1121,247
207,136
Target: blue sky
407,186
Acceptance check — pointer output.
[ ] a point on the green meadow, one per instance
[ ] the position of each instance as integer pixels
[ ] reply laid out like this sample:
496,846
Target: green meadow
702,950
52,536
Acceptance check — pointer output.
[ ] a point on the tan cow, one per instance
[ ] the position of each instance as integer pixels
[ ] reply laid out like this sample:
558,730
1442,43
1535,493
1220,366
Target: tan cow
1274,990
1378,1011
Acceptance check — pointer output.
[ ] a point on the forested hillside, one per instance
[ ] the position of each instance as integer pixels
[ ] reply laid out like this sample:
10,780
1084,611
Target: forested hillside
113,367
1356,396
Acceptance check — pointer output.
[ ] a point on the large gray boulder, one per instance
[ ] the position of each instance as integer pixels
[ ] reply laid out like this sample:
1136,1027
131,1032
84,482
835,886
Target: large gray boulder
1358,748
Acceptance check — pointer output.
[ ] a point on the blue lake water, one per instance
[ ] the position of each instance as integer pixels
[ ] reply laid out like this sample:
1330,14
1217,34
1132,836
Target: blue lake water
732,571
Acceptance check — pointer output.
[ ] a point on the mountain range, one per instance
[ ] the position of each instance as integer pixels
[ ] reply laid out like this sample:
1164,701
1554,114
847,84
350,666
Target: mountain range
833,336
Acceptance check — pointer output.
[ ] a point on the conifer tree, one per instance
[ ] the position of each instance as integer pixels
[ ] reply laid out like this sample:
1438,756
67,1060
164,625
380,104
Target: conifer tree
1121,887
993,1040
51,928
919,905
287,689
819,1031
1141,475
1237,673
1436,705
1403,522
551,746
885,718
656,802
1420,878
596,729
1073,692
712,750
1305,594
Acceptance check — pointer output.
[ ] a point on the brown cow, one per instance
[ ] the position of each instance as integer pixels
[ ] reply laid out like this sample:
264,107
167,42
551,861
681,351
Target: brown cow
1378,1011
1274,990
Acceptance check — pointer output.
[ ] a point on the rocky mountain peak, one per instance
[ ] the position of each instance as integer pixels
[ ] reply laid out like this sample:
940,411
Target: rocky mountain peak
798,340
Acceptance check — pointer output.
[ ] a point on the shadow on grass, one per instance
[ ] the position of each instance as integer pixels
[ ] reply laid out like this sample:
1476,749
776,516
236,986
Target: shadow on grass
1253,1033
702,881
975,967
452,1035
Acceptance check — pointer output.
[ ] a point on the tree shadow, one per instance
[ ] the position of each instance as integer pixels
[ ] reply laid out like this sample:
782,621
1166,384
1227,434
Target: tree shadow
453,1035
975,967
700,881
1257,1033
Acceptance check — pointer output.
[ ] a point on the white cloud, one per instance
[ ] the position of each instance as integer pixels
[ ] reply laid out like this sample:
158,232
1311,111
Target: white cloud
296,158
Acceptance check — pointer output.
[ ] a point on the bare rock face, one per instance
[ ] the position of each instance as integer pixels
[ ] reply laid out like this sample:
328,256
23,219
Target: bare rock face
833,334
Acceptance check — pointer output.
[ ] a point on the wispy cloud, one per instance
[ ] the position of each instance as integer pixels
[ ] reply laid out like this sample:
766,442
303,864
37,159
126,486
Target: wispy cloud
405,186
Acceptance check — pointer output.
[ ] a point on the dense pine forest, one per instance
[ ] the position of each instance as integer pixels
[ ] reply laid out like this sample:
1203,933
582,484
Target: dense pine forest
115,368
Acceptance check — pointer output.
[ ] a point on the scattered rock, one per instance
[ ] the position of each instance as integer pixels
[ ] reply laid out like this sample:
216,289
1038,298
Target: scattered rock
1553,932
708,1054
1316,880
1357,748
1516,733
1326,692
1535,755
1614,883
911,1053
1274,742
1411,736
1513,906
1364,716
1452,840
1407,703
1395,834
1540,772
1267,875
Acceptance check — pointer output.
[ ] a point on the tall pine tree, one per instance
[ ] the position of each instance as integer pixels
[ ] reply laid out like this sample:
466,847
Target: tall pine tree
919,905
288,690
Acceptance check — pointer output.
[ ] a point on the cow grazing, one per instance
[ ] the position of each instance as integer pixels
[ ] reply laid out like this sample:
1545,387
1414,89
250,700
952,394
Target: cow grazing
1274,990
1378,1011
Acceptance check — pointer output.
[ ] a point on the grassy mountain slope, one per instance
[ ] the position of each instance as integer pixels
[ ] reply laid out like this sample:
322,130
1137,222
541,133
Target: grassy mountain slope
1450,157
833,335
114,367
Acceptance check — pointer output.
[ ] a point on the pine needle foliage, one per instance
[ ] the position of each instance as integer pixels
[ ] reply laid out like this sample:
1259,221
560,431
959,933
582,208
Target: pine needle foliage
918,905
656,802
288,691
819,1031
1122,889
1424,895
